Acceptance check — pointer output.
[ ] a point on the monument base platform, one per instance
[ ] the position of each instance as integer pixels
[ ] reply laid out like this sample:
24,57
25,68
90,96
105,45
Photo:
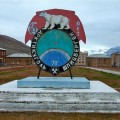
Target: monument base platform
99,98
54,82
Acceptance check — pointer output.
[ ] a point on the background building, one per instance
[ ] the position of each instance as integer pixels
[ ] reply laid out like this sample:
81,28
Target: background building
99,60
2,55
19,59
82,59
116,60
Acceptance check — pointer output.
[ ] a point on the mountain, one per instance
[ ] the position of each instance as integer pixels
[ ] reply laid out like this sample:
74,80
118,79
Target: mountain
113,50
105,51
99,51
13,46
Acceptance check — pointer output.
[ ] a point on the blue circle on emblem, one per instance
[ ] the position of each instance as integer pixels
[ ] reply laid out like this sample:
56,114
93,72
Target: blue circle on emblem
55,57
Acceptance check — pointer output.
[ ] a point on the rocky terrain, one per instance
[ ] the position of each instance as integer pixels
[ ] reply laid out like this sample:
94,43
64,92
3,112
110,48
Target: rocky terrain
13,46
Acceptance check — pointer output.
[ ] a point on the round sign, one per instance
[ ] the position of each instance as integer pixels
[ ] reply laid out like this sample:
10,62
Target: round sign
55,50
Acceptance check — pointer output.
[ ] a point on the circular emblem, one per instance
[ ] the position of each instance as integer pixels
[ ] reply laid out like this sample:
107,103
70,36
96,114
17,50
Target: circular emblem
55,50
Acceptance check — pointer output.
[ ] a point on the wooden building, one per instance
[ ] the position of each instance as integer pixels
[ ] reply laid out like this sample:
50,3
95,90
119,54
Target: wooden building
99,60
19,59
2,55
82,59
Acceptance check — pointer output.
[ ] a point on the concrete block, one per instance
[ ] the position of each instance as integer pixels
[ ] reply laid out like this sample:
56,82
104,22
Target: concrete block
54,82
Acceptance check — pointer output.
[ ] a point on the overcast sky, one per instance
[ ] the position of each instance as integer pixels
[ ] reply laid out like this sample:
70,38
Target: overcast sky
100,18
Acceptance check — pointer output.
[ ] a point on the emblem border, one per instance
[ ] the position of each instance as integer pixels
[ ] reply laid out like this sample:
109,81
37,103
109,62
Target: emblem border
55,70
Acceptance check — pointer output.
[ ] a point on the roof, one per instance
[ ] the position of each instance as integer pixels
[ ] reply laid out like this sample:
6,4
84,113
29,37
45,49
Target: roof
2,49
99,56
19,55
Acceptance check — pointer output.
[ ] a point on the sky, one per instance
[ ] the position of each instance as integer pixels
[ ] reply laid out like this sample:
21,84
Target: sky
100,19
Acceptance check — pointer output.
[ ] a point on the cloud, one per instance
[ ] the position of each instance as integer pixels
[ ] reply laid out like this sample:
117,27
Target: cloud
100,18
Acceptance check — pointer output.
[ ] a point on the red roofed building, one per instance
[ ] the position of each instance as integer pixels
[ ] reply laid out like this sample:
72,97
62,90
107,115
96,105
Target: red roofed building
2,55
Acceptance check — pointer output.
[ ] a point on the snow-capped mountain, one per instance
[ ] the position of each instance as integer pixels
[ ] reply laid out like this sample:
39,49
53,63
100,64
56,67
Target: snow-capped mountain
99,51
113,50
105,51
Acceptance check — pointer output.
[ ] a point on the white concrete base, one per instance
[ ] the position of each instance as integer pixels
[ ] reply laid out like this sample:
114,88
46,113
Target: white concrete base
99,98
95,86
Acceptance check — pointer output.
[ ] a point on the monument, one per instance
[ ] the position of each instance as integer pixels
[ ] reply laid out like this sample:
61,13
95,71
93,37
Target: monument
55,36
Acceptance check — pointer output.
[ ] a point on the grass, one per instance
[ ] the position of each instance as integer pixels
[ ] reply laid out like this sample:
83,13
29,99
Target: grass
10,74
57,116
108,78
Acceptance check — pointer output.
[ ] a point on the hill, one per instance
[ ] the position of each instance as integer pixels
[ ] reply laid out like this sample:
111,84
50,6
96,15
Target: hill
113,50
13,46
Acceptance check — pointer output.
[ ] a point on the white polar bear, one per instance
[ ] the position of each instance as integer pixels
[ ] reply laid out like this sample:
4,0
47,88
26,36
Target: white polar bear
53,20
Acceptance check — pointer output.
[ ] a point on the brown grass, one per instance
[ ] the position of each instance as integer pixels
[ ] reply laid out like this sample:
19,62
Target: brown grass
57,116
16,73
10,74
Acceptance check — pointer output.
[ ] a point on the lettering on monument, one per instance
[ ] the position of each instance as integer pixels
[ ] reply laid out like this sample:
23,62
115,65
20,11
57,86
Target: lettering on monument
54,65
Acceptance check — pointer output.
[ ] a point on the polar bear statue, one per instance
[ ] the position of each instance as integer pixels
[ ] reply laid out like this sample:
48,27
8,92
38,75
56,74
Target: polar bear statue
52,20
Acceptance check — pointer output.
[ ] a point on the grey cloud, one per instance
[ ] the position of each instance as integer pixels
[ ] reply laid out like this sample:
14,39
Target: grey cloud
100,18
